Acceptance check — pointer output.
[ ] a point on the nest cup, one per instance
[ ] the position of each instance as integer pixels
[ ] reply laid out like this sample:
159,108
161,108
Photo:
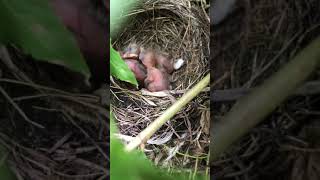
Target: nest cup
179,28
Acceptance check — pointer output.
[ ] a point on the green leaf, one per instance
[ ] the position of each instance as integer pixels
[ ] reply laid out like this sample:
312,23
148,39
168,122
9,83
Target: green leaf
120,69
34,27
130,166
5,171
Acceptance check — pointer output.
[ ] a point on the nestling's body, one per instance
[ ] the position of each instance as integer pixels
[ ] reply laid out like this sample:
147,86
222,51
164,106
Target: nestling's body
137,68
156,80
149,67
148,58
164,64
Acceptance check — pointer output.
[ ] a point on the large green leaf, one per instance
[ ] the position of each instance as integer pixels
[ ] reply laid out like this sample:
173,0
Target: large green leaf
120,69
33,26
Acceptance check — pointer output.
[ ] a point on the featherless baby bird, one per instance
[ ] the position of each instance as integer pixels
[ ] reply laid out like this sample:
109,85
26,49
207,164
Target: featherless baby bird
156,80
137,68
149,67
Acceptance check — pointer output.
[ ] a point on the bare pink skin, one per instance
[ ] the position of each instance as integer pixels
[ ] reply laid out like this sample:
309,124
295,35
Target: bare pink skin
156,80
153,71
148,58
137,68
164,63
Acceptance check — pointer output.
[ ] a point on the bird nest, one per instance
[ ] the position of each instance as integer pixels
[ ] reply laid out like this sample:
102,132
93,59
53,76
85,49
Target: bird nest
179,28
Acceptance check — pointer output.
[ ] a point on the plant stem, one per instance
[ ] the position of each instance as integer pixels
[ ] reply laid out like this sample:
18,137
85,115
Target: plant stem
169,113
253,108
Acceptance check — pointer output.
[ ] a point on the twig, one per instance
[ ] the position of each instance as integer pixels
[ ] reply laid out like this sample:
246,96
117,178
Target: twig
309,88
272,61
20,111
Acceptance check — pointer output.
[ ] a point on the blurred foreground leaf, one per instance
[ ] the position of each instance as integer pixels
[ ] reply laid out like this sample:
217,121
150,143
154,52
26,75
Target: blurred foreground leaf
33,26
118,10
